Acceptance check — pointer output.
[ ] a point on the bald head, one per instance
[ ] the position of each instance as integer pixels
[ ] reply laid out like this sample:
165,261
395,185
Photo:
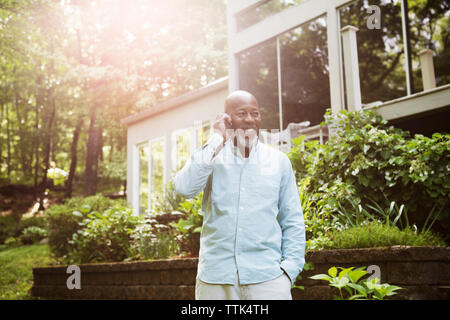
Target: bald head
238,98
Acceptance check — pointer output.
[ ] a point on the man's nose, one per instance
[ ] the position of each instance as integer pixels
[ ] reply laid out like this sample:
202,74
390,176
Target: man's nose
249,118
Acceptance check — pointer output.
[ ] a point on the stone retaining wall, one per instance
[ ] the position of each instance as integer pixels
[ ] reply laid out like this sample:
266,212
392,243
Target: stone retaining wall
423,271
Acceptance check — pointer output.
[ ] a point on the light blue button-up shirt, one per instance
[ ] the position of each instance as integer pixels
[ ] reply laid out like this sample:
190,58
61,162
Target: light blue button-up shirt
252,216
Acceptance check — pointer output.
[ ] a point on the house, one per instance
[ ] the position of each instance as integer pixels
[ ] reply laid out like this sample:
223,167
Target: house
300,58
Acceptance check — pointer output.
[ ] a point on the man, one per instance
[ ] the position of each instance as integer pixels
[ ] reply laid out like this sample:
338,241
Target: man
252,243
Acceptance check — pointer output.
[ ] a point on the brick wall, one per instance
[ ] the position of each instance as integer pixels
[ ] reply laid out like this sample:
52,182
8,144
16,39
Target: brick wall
423,271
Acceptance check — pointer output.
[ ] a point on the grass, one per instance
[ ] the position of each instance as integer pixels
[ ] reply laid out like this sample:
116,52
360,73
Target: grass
16,270
380,235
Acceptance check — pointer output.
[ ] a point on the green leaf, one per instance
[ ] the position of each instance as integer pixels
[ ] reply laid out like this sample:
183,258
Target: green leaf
344,271
339,283
321,277
77,213
85,208
355,275
358,288
332,271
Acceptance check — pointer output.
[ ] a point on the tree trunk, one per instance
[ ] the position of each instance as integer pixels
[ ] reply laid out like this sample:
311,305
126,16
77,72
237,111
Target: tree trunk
94,140
47,149
73,164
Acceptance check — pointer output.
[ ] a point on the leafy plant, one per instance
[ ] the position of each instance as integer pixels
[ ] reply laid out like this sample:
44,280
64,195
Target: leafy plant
154,241
366,162
356,214
63,220
33,234
316,216
191,226
357,288
104,236
57,175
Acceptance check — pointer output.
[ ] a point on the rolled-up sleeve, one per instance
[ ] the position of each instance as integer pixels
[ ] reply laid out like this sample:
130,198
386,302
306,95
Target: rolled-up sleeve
290,218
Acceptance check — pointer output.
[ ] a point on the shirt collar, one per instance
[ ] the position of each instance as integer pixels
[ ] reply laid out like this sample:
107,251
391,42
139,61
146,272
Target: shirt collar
237,152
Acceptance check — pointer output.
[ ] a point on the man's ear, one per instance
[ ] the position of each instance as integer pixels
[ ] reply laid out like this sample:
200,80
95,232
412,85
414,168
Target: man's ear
228,123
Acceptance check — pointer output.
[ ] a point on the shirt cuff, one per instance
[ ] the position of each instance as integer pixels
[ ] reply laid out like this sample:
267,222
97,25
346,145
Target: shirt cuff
291,269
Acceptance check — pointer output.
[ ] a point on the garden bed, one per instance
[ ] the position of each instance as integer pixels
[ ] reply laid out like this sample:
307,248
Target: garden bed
424,272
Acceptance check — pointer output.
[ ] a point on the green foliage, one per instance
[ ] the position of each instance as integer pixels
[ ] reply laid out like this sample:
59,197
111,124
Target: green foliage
374,234
104,236
64,220
8,227
33,235
154,241
357,288
191,226
13,242
16,269
57,175
169,201
367,162
59,72
317,219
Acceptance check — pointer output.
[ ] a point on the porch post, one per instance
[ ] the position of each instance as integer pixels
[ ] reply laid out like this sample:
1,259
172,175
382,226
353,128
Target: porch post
427,66
351,67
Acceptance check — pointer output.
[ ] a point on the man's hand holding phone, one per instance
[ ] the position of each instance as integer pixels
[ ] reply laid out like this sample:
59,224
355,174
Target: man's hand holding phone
222,123
222,126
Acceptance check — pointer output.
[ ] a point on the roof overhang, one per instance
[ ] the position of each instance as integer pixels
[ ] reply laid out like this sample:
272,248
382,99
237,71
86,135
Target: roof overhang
176,102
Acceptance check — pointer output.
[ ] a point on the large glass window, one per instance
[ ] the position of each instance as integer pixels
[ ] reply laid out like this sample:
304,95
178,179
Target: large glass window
429,28
143,178
258,13
183,147
385,71
258,74
304,73
157,170
203,133
380,51
297,83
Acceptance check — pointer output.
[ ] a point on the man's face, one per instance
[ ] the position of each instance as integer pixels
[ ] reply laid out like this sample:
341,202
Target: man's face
245,116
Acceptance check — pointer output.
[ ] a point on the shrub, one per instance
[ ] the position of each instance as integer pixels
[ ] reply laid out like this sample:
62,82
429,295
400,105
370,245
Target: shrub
190,227
169,201
13,242
104,236
154,241
33,235
368,161
64,220
8,227
374,234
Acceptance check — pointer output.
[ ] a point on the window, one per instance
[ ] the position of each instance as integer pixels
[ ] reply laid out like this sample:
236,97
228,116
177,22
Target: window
203,133
429,28
183,147
258,75
305,86
386,72
143,178
258,13
157,170
380,51
289,73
